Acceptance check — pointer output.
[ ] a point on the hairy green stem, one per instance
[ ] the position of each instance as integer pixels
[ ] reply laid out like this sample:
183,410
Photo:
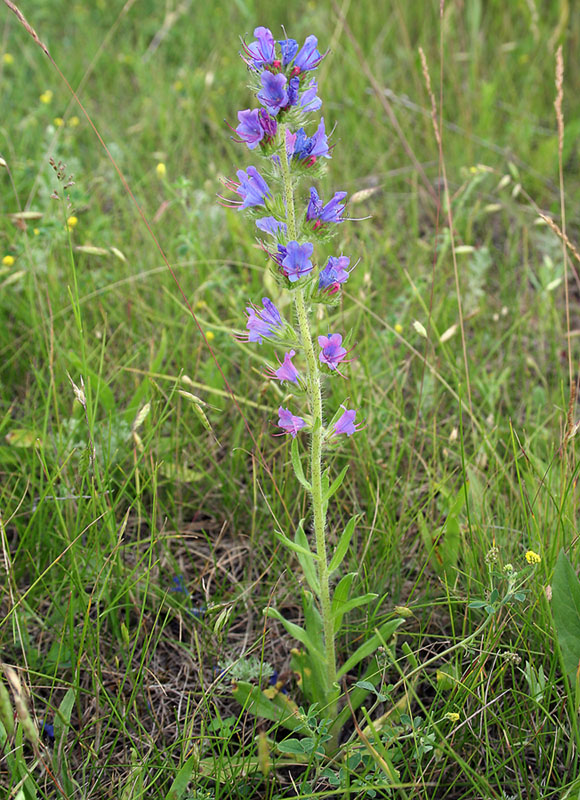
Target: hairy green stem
314,390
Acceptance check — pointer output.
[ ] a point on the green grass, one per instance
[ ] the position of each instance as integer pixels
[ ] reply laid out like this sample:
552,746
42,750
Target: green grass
100,517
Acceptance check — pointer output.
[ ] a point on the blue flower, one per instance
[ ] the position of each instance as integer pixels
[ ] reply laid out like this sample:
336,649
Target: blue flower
296,262
309,100
271,225
322,214
286,370
289,48
249,130
308,57
252,188
261,52
332,352
293,86
273,94
309,148
334,273
262,322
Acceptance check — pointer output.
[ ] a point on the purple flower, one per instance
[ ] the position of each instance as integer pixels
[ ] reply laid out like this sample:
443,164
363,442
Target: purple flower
321,214
308,57
293,86
262,321
309,100
268,123
249,130
273,94
346,423
255,126
297,260
309,148
289,48
334,273
289,422
252,188
271,225
332,352
261,52
286,371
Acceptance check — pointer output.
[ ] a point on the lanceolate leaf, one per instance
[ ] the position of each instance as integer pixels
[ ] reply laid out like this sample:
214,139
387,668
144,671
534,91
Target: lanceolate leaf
363,600
336,484
343,543
297,464
297,548
566,613
383,634
280,709
294,630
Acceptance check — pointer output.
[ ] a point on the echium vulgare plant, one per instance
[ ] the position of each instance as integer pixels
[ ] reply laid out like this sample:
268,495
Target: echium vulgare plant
290,225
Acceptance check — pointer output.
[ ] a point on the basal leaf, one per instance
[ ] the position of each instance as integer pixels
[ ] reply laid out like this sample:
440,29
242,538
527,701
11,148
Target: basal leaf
566,613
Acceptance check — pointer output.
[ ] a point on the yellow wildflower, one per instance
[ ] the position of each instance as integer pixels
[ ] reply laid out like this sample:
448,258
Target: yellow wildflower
36,231
58,121
46,97
399,327
161,170
210,336
74,122
72,222
533,558
452,716
8,261
8,58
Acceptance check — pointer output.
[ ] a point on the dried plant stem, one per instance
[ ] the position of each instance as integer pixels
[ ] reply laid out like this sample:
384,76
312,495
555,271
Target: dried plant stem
314,389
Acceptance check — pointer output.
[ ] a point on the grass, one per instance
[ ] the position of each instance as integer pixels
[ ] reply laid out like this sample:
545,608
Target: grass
105,522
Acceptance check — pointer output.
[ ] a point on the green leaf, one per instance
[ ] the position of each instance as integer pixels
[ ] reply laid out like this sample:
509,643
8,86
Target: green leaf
341,605
343,543
306,558
294,630
293,746
279,709
383,634
182,779
297,464
62,716
336,484
566,613
297,548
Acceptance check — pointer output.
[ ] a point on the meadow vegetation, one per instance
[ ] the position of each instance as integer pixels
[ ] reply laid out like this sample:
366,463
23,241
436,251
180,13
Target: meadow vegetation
138,516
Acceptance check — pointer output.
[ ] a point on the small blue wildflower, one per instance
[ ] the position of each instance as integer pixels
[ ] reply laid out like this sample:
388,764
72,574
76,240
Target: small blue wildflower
293,87
249,130
289,422
273,93
252,188
334,273
46,729
260,53
286,371
271,225
309,100
262,321
288,48
321,214
297,262
179,585
268,123
309,57
309,148
346,423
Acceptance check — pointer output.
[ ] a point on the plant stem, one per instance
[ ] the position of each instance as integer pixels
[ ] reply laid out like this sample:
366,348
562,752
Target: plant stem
314,390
